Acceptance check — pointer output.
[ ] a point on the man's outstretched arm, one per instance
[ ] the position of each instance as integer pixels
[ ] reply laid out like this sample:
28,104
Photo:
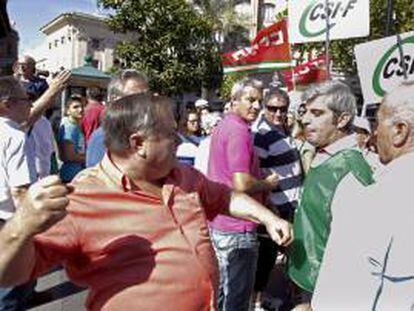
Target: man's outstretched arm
48,97
243,206
44,205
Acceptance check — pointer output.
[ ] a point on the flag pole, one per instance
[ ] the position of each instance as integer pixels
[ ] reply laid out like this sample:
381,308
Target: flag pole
392,20
327,41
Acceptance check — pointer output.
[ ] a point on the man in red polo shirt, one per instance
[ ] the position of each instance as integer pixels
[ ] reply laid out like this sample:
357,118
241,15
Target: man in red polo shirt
136,227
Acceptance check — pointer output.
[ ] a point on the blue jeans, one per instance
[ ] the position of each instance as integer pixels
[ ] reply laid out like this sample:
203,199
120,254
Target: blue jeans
237,258
15,298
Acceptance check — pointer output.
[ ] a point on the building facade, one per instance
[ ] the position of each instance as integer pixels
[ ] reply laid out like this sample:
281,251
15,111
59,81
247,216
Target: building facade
72,36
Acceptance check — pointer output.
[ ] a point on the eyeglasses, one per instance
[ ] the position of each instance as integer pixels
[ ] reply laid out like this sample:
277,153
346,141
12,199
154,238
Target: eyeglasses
274,109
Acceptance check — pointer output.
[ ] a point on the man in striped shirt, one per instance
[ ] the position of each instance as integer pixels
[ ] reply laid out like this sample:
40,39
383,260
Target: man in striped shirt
277,153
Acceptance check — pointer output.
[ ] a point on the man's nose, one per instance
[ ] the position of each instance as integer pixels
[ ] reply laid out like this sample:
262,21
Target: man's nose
305,119
257,105
279,112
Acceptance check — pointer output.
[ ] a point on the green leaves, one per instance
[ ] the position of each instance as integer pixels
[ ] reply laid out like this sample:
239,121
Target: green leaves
173,43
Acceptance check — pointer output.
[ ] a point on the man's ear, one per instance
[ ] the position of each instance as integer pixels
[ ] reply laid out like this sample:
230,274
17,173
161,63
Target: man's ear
343,121
4,108
400,132
137,144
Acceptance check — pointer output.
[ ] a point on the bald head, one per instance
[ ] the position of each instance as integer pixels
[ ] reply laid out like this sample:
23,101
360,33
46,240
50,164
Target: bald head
27,66
395,132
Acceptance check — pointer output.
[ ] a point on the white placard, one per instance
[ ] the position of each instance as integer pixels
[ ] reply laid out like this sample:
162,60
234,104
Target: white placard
347,19
379,65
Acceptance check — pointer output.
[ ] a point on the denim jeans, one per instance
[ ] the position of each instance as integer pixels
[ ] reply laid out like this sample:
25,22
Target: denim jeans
237,258
15,298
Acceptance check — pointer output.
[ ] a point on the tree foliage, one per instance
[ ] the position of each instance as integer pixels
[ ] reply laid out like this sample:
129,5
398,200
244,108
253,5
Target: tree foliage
342,51
231,29
172,43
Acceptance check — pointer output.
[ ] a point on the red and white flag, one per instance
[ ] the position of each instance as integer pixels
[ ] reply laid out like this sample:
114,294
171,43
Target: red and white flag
269,51
310,72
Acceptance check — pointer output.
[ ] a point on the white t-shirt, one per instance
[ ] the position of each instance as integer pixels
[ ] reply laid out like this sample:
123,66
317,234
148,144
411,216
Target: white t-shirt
202,155
17,163
43,137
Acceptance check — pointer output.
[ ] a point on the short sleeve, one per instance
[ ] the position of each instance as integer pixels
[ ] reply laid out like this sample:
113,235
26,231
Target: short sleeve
239,152
20,168
67,132
215,197
55,246
96,148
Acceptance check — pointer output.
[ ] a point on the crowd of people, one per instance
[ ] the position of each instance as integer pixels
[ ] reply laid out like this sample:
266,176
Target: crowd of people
150,211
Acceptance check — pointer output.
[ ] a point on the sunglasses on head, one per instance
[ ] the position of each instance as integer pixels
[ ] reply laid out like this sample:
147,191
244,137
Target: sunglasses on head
276,109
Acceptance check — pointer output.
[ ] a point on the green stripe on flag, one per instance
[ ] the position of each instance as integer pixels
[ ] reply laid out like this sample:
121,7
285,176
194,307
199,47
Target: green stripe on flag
258,67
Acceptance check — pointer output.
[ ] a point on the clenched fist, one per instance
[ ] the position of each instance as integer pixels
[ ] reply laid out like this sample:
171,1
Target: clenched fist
272,180
44,205
279,230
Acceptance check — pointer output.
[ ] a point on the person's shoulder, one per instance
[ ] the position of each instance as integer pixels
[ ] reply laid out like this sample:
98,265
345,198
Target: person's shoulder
42,124
88,179
98,134
185,170
186,176
68,125
10,130
41,80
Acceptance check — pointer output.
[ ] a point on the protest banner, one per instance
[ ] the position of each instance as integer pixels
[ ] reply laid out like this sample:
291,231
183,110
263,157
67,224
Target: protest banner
269,51
310,72
381,67
309,21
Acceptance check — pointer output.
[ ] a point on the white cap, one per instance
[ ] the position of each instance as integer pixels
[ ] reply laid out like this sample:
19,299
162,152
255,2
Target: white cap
362,123
201,103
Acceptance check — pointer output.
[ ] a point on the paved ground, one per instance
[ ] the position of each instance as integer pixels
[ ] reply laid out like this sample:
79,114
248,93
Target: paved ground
64,296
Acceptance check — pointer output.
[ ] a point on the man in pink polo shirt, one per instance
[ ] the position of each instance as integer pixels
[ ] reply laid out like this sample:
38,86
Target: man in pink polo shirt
233,162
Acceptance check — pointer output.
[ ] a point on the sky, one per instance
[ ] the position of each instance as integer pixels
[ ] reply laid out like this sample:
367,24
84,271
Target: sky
30,15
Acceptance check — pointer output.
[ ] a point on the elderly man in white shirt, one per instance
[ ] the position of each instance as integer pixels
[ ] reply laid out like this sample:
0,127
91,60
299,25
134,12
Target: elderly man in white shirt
368,262
17,159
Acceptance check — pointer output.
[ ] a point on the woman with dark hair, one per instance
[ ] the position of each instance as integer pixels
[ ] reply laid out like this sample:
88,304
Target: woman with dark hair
190,135
71,140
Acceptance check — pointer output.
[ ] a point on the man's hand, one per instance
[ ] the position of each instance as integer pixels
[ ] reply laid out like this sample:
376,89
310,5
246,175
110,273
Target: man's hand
279,230
44,205
272,180
47,99
59,82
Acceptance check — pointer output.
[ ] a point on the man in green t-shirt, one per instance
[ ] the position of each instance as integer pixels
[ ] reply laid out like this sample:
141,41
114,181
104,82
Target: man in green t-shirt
338,167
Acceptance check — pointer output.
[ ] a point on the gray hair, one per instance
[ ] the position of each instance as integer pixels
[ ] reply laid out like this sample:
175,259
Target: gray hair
279,93
239,86
338,95
143,113
95,93
9,87
117,84
29,60
400,104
